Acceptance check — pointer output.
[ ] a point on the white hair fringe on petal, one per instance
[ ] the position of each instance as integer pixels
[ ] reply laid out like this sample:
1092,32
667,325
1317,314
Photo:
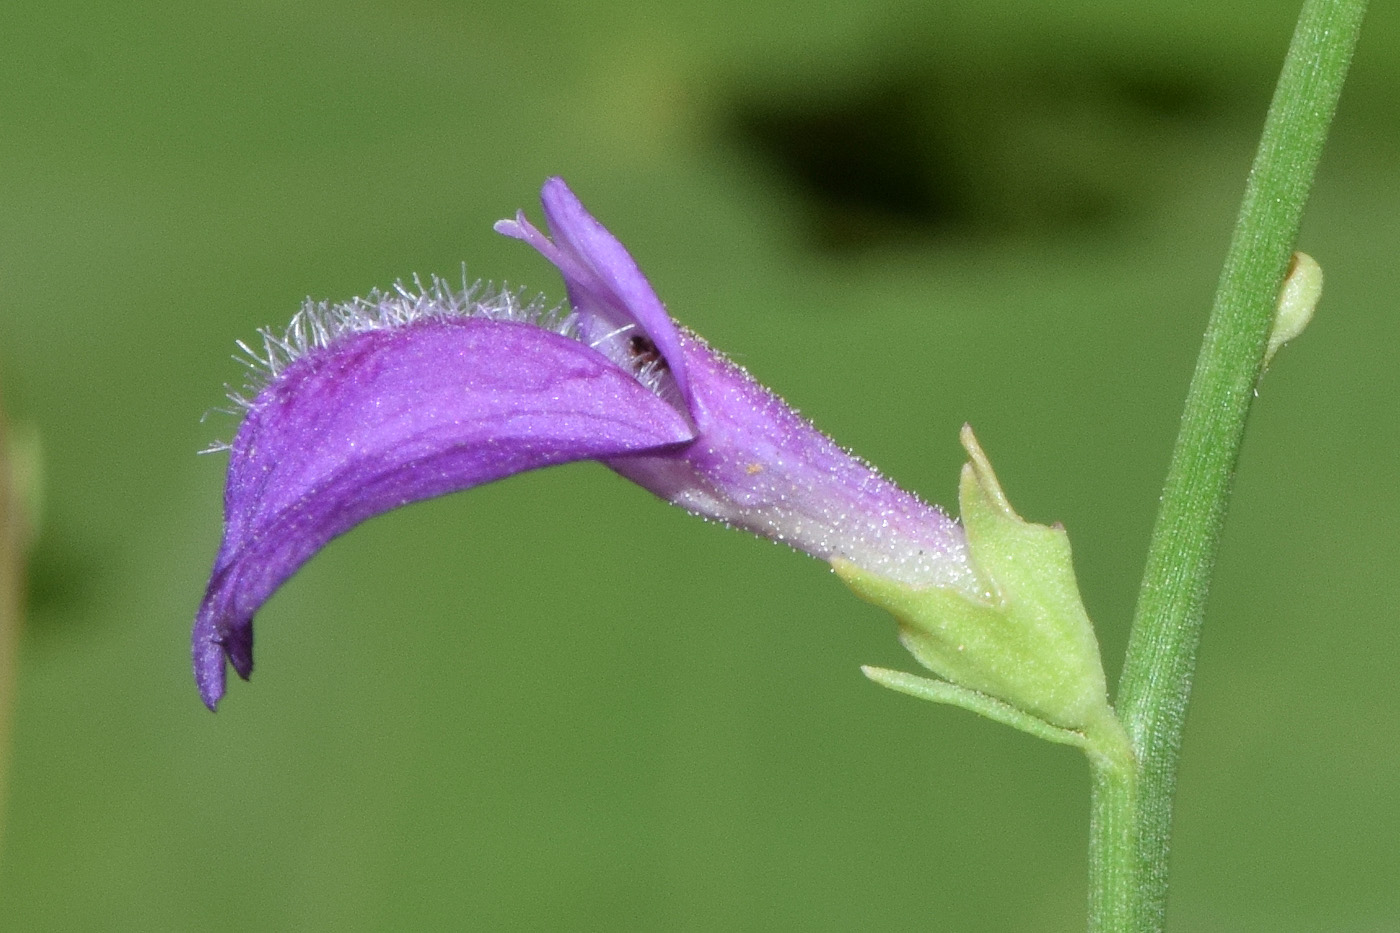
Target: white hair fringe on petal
320,323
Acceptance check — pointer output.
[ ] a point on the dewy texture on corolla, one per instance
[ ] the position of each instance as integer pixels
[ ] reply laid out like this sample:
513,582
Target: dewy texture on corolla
373,404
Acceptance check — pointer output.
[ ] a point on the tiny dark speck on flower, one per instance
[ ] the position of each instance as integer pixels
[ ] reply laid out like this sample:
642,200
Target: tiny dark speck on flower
645,354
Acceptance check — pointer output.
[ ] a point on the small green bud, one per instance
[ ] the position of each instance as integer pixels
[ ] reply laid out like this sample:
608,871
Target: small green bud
1302,289
1027,642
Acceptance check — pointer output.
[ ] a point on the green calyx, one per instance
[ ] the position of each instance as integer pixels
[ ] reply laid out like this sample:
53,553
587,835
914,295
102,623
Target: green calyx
1024,652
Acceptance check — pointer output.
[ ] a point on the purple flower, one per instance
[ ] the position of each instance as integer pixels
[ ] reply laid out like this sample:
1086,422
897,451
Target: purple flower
377,403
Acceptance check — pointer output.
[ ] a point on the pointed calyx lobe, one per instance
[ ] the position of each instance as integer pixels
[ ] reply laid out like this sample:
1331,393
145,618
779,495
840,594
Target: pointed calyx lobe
394,407
1026,641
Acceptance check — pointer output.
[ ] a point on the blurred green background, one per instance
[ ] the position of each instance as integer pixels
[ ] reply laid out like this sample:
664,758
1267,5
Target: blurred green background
556,703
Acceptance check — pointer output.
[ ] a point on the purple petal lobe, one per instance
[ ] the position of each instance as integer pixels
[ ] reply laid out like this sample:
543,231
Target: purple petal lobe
618,311
759,465
755,463
382,418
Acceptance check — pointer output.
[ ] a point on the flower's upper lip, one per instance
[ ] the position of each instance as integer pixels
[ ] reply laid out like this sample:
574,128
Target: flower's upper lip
382,418
606,288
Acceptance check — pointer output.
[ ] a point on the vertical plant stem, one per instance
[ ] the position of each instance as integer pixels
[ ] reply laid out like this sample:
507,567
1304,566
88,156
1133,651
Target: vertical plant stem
1113,858
1156,682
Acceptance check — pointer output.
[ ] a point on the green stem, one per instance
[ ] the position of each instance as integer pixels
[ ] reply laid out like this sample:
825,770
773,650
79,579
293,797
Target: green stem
1113,856
1156,682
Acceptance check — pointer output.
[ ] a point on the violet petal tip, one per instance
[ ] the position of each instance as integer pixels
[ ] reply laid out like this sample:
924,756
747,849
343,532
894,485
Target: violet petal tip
209,674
